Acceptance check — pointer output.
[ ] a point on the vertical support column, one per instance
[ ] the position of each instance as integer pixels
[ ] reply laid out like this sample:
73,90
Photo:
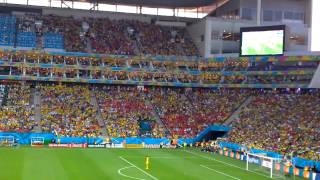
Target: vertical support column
64,73
258,12
24,71
207,38
220,42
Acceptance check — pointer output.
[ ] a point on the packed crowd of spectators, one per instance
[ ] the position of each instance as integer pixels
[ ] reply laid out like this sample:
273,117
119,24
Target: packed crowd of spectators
160,40
67,111
16,112
109,37
283,65
103,35
230,71
231,64
187,112
281,122
27,23
123,108
68,27
285,79
183,113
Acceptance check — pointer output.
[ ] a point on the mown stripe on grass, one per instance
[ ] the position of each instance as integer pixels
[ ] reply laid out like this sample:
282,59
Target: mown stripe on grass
222,162
11,163
78,166
42,164
181,168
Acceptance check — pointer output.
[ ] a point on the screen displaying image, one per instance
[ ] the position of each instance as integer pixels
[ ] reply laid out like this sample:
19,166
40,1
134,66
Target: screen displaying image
269,42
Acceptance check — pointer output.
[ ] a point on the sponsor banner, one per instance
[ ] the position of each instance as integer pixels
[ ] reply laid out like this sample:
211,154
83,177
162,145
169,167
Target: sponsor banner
37,145
105,146
170,146
134,146
96,146
306,174
296,171
226,153
238,156
267,164
116,146
232,154
152,146
282,168
68,145
315,176
286,169
254,160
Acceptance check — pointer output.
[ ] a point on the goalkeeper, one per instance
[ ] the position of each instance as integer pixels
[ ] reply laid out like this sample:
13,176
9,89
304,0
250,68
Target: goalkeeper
147,161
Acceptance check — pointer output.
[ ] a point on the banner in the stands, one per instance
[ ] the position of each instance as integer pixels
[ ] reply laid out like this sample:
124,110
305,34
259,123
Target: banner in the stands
148,83
168,58
68,145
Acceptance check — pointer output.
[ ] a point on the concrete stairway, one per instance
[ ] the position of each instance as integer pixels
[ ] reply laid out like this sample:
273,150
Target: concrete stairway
37,107
180,50
99,118
236,113
155,114
137,48
31,100
88,45
39,41
315,82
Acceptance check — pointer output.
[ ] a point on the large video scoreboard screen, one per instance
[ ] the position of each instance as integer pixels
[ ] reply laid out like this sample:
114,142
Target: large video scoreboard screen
262,41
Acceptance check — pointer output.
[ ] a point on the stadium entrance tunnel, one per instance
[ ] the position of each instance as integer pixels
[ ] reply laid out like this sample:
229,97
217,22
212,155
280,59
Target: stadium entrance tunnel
213,135
212,132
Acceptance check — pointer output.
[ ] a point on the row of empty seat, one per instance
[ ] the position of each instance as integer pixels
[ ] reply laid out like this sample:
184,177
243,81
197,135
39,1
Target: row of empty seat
7,30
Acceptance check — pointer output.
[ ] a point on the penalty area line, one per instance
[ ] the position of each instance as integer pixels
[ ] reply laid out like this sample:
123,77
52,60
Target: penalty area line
125,160
228,164
124,175
160,157
219,172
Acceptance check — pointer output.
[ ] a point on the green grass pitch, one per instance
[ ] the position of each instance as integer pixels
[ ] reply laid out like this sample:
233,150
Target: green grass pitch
120,164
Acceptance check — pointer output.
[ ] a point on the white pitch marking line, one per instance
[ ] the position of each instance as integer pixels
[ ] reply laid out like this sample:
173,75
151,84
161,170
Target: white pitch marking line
119,172
138,168
159,157
226,163
219,172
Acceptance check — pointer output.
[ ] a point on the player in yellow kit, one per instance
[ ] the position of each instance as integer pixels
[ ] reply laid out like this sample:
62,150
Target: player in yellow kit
147,160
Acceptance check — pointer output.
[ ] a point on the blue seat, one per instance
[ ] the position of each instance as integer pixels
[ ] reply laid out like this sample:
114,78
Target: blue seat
26,39
53,40
7,30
